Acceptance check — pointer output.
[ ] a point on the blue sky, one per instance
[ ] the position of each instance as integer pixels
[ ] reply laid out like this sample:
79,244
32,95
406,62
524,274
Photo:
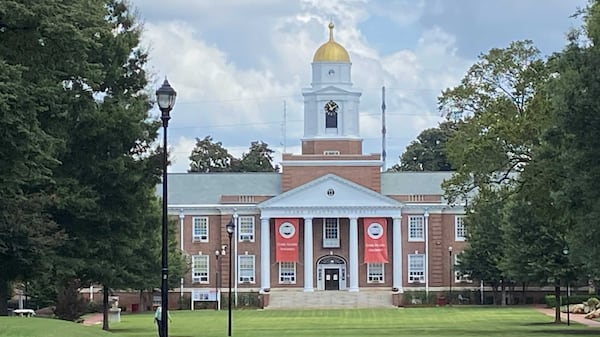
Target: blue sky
235,62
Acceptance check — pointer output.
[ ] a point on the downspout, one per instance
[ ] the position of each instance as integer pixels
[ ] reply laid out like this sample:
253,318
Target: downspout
427,254
181,217
235,262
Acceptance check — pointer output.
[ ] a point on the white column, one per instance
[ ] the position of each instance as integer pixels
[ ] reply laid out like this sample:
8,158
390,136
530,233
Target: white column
308,255
353,254
397,254
427,252
265,254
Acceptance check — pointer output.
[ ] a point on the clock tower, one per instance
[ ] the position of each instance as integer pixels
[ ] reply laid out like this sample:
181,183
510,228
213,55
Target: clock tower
331,104
331,142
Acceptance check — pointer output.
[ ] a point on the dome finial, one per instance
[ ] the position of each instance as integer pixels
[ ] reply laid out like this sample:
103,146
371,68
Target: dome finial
331,51
331,25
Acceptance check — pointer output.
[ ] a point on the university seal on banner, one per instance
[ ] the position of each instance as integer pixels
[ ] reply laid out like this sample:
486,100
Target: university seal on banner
375,231
287,230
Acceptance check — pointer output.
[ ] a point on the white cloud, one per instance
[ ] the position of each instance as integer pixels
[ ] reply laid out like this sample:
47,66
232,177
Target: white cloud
235,62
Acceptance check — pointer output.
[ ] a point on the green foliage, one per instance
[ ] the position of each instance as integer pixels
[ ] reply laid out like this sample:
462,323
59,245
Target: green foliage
428,151
258,159
501,118
208,156
550,300
70,306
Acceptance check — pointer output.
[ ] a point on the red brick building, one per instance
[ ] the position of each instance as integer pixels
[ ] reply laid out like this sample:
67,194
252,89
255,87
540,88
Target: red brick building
330,221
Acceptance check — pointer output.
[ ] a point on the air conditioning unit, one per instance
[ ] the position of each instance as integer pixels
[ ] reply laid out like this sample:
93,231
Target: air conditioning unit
246,279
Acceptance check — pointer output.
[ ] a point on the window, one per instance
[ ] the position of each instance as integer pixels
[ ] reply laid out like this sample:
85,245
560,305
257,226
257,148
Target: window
246,228
331,233
200,269
287,272
374,272
460,232
458,276
416,228
246,268
416,268
200,229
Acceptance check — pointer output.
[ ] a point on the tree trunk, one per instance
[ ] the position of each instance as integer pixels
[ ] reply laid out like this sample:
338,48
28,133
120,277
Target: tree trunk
4,291
557,308
524,293
503,294
494,294
105,308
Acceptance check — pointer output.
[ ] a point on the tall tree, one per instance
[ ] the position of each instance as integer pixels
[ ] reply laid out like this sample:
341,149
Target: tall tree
574,93
428,151
209,156
502,120
259,158
41,54
481,259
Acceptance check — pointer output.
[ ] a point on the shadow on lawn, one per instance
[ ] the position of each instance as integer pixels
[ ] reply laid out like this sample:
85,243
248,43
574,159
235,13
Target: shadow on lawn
562,332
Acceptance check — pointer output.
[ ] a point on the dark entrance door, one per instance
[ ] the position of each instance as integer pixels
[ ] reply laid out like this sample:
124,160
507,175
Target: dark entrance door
332,279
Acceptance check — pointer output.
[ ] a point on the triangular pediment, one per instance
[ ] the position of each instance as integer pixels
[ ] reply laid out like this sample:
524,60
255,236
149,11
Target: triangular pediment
330,191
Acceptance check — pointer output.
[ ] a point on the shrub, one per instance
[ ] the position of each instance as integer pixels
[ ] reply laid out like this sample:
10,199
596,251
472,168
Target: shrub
70,305
593,303
574,299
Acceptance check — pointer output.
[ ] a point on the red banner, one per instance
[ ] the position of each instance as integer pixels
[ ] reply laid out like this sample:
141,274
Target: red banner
286,240
375,240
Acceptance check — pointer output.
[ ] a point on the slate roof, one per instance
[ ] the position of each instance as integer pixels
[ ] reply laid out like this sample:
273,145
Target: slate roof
207,188
406,183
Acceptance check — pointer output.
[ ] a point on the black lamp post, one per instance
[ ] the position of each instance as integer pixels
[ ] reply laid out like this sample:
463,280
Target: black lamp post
230,230
165,97
566,253
450,265
218,254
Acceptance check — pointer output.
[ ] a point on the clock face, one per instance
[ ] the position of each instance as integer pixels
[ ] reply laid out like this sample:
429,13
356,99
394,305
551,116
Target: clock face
331,108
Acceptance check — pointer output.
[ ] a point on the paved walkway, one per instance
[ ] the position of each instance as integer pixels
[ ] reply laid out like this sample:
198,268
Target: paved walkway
93,319
578,318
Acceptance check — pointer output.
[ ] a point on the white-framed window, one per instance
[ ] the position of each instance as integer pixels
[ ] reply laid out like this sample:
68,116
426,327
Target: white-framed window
416,228
416,268
287,272
331,233
460,232
246,228
200,229
200,269
458,277
375,272
246,268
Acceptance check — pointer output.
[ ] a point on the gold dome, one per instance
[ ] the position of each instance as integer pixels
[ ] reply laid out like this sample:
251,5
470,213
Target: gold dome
331,51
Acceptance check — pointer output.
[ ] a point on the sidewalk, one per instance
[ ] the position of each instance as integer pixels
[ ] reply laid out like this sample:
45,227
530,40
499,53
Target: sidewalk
93,319
577,318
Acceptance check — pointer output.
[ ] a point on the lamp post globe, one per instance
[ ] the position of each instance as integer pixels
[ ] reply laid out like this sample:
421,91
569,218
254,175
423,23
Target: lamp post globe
230,229
165,97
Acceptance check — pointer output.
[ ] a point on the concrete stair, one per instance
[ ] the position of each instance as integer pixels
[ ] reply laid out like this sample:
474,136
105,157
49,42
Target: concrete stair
331,299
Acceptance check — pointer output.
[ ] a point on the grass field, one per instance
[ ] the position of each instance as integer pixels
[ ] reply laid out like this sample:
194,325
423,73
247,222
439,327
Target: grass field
442,322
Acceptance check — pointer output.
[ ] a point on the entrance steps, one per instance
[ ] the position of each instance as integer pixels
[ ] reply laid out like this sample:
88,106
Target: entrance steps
329,299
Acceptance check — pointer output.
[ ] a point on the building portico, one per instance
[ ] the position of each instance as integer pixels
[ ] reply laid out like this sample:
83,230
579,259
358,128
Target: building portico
337,205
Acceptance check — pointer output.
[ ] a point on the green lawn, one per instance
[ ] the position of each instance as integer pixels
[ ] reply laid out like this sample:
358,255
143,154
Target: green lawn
443,322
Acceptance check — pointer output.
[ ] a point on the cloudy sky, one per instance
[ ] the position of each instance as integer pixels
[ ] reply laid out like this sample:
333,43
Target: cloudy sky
236,63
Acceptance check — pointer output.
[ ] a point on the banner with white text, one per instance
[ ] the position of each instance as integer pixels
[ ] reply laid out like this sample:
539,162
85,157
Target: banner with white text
286,240
375,240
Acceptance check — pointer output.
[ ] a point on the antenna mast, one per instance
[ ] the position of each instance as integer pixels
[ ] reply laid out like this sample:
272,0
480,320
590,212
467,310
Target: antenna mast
383,131
283,127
